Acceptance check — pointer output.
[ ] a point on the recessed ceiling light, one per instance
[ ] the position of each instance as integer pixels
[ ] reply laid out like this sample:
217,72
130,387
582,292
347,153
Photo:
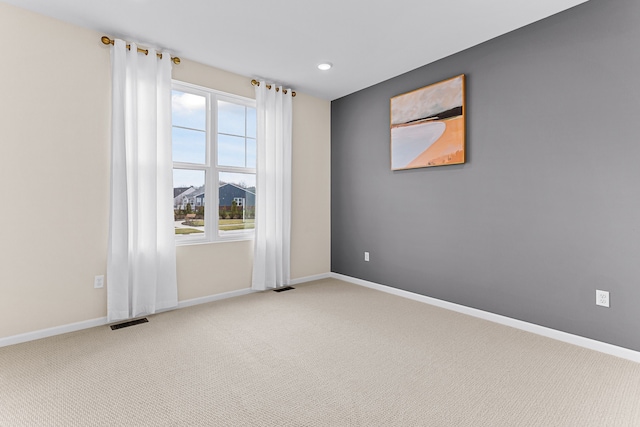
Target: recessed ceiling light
325,66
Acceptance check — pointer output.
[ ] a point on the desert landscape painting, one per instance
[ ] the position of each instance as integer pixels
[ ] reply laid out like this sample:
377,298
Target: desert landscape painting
428,126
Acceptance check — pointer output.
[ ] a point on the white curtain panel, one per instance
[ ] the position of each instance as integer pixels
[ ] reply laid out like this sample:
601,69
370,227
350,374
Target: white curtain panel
272,246
141,264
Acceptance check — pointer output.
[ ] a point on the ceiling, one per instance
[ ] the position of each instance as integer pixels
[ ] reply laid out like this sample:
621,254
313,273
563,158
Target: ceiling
283,41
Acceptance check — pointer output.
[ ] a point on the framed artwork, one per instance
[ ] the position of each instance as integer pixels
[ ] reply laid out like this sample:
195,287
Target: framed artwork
428,126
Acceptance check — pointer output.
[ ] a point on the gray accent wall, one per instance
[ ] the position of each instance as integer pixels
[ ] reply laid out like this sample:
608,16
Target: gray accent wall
547,207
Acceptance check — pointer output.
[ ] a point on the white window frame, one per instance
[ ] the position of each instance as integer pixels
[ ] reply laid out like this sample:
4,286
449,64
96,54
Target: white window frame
211,168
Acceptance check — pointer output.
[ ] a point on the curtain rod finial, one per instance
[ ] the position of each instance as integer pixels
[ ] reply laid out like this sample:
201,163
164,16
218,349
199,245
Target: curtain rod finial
106,40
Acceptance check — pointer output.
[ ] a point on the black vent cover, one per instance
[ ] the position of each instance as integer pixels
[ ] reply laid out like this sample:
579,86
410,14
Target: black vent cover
129,323
288,288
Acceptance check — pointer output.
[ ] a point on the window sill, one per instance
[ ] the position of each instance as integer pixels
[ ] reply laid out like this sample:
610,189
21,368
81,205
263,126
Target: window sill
220,240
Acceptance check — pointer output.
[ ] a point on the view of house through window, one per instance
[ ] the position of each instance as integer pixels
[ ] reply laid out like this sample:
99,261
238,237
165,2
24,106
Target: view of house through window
214,159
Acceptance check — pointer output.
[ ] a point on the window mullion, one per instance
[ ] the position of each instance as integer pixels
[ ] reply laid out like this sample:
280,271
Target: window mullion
189,166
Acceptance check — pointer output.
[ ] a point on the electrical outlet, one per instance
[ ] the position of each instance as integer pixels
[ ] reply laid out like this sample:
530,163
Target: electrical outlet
602,298
98,282
366,256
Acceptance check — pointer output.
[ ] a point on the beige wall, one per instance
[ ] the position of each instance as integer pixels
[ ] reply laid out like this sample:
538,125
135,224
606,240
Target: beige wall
54,166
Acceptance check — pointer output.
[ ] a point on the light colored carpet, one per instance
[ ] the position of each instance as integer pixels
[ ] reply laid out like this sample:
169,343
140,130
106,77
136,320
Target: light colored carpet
325,354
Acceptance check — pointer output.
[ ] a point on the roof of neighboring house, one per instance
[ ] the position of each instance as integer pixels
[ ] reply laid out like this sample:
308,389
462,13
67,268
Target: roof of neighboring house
198,193
177,191
237,186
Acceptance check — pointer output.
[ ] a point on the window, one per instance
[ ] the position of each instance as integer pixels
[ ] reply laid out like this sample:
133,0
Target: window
214,159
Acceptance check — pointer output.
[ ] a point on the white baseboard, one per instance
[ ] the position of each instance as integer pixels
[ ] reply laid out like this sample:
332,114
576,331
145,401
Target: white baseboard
602,347
310,278
49,332
216,297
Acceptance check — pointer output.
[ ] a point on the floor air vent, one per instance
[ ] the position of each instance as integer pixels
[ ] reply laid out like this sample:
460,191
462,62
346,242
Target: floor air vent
288,288
130,323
